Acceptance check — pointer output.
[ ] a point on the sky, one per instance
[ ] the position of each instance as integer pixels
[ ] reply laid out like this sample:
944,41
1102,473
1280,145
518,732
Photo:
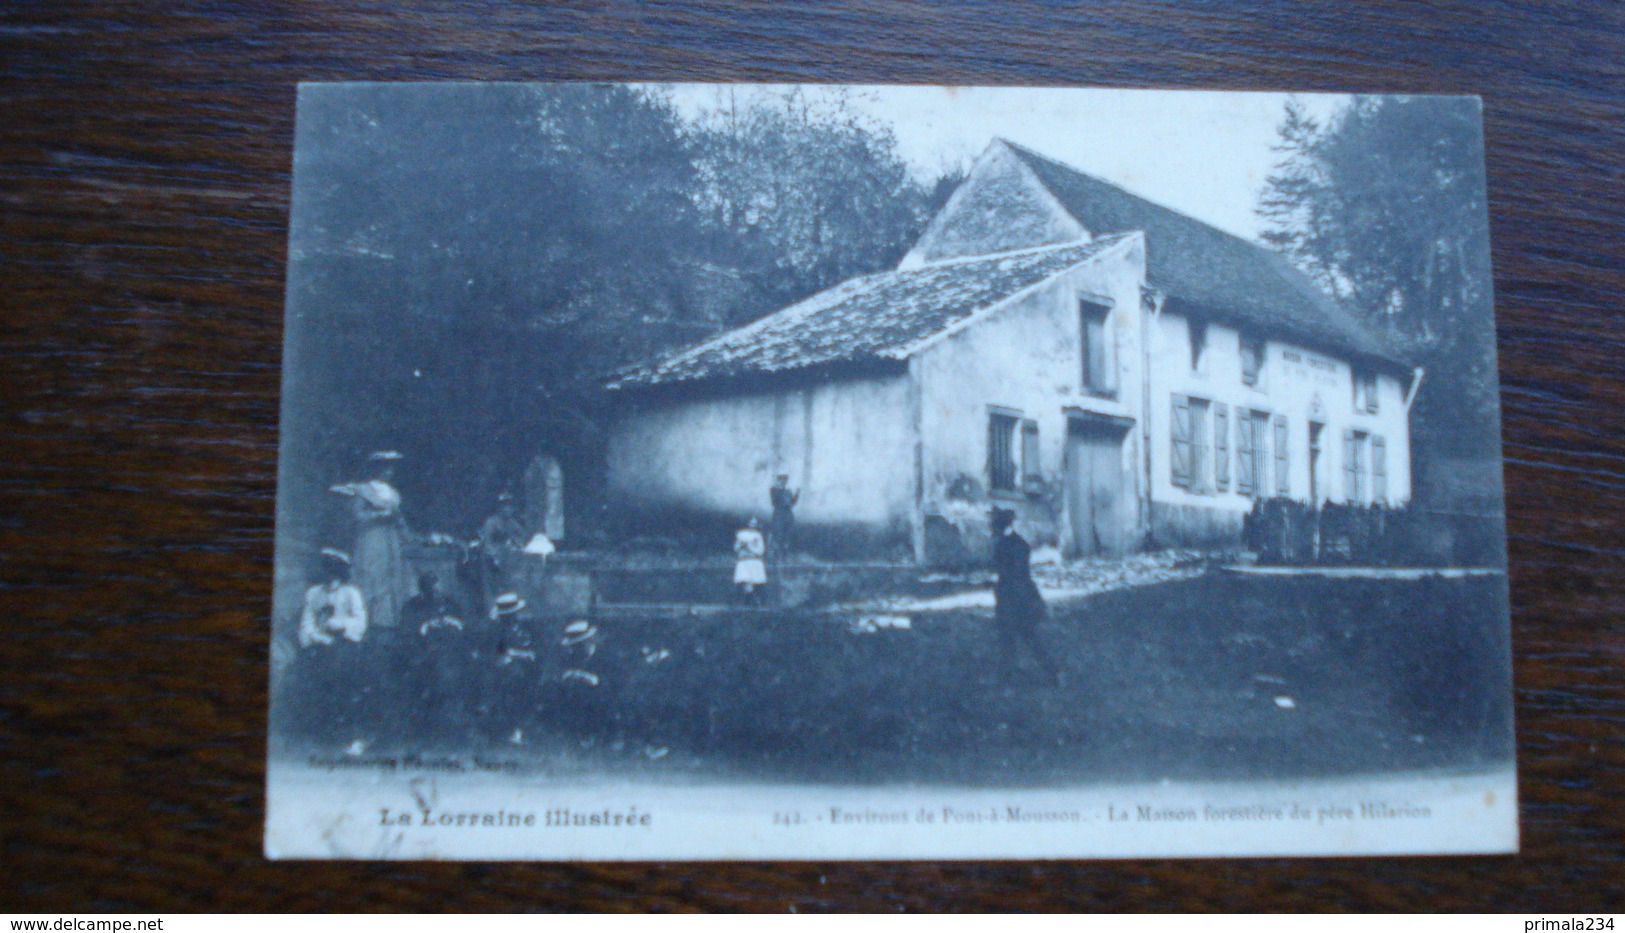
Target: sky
1205,153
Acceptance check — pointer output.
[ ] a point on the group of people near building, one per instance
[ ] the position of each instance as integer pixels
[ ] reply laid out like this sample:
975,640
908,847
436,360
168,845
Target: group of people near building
442,676
386,653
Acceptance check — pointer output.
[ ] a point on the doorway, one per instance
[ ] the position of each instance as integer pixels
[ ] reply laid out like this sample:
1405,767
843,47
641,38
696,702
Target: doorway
1097,504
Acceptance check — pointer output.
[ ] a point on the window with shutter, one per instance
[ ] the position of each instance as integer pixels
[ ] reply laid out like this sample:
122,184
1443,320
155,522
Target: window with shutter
1221,446
1379,469
1180,434
1246,453
1283,473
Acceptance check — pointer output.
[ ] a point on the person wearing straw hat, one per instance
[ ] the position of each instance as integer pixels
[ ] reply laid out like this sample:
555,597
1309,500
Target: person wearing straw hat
579,694
750,568
580,639
378,558
1018,606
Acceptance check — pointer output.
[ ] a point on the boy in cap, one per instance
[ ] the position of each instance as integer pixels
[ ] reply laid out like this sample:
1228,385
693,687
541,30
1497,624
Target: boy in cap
518,673
439,658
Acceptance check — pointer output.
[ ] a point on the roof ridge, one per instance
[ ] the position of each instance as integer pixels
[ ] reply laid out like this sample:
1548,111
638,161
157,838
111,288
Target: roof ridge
1102,239
1072,187
1024,152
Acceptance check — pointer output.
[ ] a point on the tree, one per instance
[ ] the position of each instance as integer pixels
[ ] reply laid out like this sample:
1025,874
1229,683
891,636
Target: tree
469,262
1384,206
466,261
797,192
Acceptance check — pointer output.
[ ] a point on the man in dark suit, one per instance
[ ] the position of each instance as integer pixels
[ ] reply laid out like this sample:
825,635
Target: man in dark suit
781,531
1018,606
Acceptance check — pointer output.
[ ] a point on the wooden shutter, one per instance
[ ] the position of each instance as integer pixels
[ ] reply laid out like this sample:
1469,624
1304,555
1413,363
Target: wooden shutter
1246,453
1000,465
1180,450
1031,468
1283,462
1351,468
1379,469
1221,446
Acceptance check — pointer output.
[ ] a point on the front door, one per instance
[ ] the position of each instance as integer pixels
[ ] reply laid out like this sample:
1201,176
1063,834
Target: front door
1097,504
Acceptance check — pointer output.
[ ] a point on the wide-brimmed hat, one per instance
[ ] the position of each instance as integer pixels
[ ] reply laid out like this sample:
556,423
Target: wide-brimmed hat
1003,518
334,554
384,455
509,603
577,632
505,497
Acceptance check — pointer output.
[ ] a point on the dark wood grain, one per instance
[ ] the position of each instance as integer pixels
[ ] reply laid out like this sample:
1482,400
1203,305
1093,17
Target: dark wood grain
145,152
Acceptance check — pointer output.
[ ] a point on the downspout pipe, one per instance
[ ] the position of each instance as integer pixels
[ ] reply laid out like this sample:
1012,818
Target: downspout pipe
1154,300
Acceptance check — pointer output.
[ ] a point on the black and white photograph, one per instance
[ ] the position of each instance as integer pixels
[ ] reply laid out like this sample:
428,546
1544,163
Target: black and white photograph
710,471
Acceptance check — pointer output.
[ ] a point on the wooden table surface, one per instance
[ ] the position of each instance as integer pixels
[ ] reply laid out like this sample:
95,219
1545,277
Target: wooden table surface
146,149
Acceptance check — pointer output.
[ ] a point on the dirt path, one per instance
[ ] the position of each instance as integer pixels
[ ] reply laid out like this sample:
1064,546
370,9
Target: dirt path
1058,581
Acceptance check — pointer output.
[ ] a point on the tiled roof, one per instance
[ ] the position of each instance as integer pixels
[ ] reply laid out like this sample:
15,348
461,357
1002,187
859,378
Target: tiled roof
872,317
1211,270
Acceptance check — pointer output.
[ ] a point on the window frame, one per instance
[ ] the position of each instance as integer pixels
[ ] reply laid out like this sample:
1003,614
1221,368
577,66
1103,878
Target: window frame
1007,421
1255,378
1093,310
1365,390
1253,431
1194,445
1356,466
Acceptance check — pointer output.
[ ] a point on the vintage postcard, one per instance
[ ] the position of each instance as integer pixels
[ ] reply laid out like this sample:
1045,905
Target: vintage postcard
749,472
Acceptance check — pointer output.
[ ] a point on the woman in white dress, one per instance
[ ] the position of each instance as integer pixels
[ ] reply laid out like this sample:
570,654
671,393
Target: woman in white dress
379,566
750,567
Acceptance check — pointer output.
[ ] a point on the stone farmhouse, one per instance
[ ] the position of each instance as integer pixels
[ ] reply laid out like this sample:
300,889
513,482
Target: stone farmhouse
1119,374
